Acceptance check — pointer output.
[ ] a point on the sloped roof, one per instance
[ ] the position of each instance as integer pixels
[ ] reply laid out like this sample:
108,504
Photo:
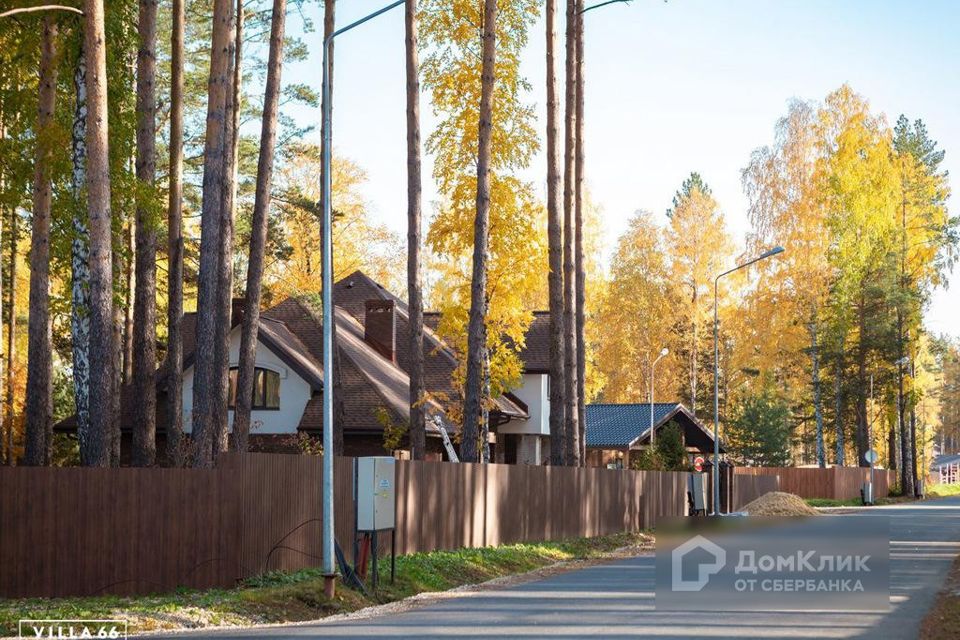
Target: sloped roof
536,345
620,425
387,378
945,460
293,330
282,341
617,426
535,354
352,292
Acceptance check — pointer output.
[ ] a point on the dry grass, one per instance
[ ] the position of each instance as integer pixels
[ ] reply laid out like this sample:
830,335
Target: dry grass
943,619
778,503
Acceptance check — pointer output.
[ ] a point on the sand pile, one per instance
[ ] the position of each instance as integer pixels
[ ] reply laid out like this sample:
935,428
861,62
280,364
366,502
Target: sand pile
778,503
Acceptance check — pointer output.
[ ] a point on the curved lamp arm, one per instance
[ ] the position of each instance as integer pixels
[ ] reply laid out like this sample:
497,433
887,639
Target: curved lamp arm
45,7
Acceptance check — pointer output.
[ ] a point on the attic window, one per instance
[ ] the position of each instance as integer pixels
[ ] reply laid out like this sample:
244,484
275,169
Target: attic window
266,389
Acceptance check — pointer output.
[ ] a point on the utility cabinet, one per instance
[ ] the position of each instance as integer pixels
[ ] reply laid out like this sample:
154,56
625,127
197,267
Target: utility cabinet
375,491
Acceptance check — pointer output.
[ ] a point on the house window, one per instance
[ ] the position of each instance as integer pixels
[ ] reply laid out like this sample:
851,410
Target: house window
266,389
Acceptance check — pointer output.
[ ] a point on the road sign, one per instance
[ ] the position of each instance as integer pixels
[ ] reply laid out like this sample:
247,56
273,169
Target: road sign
871,456
698,463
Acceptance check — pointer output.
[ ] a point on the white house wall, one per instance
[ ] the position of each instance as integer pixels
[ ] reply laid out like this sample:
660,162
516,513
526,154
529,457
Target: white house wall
294,393
535,393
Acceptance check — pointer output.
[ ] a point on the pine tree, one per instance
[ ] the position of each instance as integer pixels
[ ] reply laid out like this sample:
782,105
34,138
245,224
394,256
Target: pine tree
102,392
414,278
216,148
555,241
258,236
477,355
39,358
145,295
175,244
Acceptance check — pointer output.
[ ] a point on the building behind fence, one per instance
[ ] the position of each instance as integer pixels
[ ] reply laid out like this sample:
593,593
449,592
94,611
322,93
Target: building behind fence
82,531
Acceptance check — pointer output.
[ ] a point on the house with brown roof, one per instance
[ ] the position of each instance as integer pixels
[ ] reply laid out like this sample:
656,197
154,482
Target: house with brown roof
374,357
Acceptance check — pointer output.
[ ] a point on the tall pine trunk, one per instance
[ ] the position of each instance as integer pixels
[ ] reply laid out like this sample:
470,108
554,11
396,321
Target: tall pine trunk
906,453
225,263
216,147
578,241
39,348
175,452
258,234
418,443
571,384
915,459
80,266
907,435
145,295
813,328
473,410
555,245
102,416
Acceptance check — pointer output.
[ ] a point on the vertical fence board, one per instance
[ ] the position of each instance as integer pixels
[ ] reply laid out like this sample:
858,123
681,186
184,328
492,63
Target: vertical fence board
66,532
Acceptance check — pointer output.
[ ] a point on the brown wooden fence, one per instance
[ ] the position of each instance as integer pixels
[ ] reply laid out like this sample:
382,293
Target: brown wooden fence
839,483
745,488
73,531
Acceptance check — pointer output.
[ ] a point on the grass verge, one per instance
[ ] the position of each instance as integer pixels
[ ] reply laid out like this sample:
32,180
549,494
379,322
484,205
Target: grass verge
298,596
853,502
942,490
943,619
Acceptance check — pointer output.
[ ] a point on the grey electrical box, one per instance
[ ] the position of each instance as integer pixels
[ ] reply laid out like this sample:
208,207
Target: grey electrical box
375,490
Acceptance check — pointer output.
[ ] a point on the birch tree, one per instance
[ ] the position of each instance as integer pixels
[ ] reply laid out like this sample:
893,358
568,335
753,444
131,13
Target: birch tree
700,248
80,265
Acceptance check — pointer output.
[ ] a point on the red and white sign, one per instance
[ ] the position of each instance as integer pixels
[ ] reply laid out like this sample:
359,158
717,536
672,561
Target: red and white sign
698,463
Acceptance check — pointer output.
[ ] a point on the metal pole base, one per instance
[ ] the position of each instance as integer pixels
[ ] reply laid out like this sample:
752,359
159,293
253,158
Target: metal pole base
329,586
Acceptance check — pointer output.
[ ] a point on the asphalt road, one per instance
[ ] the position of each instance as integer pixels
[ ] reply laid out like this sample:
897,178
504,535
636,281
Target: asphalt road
615,600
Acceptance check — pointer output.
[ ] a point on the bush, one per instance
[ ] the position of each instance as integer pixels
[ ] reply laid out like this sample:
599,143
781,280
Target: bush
667,454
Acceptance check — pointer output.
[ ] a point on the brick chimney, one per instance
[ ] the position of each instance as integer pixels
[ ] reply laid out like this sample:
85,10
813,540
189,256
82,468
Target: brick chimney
380,327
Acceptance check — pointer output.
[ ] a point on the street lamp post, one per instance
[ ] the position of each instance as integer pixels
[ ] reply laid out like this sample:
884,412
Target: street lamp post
716,374
663,352
327,542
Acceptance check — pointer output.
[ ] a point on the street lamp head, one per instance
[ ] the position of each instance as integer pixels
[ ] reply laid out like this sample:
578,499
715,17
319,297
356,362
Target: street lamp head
664,351
771,253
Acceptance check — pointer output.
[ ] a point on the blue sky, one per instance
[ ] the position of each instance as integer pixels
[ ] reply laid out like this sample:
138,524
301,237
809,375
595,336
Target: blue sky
689,85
